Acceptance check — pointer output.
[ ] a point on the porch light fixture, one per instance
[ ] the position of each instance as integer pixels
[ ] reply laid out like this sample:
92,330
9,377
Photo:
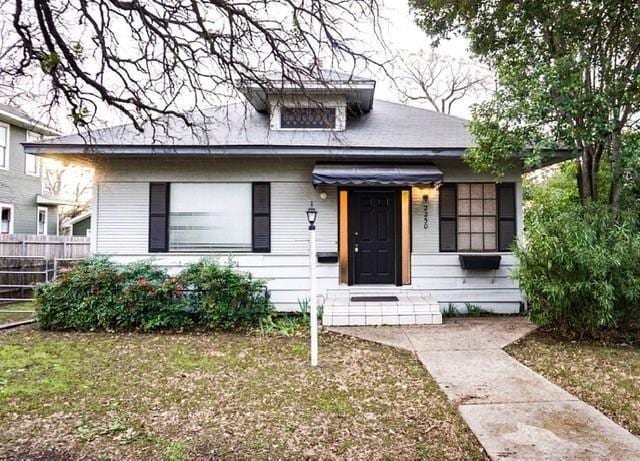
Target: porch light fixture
312,214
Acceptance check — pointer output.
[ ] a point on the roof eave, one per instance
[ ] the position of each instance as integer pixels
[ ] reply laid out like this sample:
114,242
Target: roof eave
27,124
87,152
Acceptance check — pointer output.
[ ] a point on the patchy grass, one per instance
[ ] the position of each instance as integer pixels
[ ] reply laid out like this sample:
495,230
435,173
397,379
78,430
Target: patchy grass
16,316
605,375
174,397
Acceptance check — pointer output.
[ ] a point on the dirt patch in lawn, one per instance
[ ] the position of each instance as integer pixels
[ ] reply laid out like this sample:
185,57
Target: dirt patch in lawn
21,314
605,374
161,396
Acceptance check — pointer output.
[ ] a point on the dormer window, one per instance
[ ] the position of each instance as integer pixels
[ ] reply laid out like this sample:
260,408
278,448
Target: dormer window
308,118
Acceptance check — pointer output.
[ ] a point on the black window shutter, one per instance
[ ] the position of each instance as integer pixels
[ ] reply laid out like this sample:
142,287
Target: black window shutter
506,215
261,217
158,217
448,221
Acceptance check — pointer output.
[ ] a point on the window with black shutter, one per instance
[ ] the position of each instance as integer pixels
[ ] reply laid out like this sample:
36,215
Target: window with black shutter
477,217
261,222
448,224
506,215
158,217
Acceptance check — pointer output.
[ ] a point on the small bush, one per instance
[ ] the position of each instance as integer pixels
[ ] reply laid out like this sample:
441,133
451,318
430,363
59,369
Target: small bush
226,298
580,269
98,294
82,298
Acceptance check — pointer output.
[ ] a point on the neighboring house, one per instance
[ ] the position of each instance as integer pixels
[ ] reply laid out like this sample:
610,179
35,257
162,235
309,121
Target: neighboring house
24,209
397,205
79,226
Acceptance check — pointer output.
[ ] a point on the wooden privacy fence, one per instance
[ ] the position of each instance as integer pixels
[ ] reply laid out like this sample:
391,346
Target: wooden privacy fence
26,260
49,247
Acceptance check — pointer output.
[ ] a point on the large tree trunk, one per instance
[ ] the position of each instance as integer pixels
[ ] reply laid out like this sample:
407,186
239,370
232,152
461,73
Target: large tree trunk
586,177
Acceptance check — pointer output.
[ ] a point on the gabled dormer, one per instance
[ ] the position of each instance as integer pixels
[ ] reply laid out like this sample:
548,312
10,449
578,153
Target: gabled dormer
323,104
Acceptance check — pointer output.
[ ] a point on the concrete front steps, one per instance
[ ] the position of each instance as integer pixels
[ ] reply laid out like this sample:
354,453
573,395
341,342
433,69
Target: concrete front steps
412,308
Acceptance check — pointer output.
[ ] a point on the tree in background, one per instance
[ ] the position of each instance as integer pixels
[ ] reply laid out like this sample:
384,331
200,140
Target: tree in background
68,182
441,81
568,76
155,58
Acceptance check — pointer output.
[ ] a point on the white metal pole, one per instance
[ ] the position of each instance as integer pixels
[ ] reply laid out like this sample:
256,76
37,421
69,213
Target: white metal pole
313,296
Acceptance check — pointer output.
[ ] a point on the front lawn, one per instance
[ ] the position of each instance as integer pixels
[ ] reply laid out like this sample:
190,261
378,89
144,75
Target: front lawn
10,317
604,375
185,396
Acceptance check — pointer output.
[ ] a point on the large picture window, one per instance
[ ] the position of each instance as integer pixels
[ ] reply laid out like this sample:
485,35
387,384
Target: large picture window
210,216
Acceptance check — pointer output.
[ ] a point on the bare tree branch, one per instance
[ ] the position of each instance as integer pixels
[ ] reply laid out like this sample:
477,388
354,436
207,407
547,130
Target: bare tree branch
441,81
155,58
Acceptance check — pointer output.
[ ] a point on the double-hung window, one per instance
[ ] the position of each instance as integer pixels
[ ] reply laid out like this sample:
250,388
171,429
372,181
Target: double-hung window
32,162
477,217
6,222
4,146
43,220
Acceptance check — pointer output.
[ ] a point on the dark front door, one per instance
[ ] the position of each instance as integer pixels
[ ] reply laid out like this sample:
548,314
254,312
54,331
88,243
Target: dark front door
372,236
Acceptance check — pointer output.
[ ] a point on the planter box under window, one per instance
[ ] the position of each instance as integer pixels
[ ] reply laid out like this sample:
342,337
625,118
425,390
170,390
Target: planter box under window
480,262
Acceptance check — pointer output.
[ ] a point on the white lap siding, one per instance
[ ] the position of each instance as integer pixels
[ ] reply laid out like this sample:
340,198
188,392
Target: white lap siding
122,213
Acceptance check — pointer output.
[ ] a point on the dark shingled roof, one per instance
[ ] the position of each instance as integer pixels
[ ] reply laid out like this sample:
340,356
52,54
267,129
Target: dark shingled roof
387,125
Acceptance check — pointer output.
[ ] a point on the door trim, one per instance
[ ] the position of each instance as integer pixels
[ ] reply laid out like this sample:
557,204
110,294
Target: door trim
345,231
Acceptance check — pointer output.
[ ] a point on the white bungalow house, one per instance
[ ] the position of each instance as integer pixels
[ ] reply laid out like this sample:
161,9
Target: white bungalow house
405,228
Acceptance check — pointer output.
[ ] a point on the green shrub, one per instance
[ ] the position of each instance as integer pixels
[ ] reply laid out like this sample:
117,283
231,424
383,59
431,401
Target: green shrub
226,298
149,299
82,298
98,294
580,268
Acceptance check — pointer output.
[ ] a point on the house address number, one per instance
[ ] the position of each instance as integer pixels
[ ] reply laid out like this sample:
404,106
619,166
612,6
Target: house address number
425,201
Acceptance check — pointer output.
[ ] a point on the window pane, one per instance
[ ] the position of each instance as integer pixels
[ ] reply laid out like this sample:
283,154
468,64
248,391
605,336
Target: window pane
464,225
476,191
3,156
490,207
489,191
490,242
3,136
463,190
476,224
464,207
489,224
476,207
464,242
477,242
210,217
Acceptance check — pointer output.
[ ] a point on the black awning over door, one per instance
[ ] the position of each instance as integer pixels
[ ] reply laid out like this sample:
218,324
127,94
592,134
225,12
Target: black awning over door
378,174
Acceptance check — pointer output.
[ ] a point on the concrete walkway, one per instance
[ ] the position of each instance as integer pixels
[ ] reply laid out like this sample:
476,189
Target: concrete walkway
515,413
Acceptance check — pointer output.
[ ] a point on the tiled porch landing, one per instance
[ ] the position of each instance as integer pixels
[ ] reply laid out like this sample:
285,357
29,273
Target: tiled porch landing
412,308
